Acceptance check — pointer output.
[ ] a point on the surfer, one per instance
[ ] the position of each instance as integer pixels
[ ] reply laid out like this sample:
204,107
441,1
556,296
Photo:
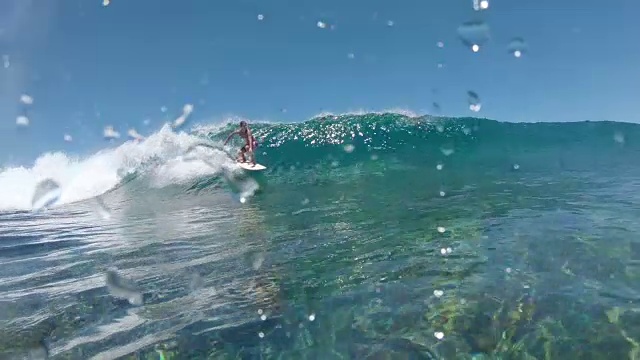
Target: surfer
250,142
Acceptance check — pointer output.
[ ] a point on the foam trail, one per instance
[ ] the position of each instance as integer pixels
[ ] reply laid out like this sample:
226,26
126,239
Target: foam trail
81,179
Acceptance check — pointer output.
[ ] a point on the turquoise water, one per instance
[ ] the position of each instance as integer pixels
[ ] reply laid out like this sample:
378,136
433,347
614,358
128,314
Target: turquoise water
375,236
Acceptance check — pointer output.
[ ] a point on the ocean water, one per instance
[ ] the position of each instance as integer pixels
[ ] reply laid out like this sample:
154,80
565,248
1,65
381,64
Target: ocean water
373,236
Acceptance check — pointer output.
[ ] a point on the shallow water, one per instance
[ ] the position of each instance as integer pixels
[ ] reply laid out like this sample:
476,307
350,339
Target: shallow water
522,244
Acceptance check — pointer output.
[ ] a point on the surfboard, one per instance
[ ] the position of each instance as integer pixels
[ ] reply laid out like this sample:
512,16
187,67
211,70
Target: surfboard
250,166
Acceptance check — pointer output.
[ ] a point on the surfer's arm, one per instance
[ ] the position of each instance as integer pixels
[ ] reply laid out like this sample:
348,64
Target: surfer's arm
229,137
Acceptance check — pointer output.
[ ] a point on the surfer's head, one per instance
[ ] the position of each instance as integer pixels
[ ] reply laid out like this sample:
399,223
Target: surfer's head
243,124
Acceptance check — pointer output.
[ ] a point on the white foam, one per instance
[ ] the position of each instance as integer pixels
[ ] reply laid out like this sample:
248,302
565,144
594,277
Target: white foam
84,178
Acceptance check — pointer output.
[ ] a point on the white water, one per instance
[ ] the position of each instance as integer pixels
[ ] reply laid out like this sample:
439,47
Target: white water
84,178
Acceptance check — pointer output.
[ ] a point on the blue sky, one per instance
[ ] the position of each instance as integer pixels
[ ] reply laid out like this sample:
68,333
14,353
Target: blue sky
87,65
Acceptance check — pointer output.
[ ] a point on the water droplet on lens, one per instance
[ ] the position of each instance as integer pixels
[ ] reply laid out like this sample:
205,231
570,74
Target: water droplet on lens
351,56
22,120
312,317
68,138
26,99
195,282
260,17
110,133
517,47
390,23
46,193
121,287
261,334
439,335
446,151
474,101
438,293
442,193
106,2
441,229
516,166
618,137
349,148
263,317
321,24
439,166
440,44
474,33
480,5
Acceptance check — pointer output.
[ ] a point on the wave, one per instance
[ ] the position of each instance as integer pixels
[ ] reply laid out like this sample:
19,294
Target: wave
166,157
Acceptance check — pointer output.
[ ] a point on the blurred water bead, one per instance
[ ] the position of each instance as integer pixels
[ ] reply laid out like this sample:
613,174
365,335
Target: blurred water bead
439,335
68,138
103,209
261,334
474,34
441,229
442,193
135,135
163,109
446,251
146,121
110,133
516,167
351,56
390,23
305,201
321,24
474,101
438,293
439,166
263,317
195,282
22,120
257,262
440,44
26,99
106,2
349,148
6,61
312,317
123,288
480,5
618,137
186,111
447,151
517,47
46,193
508,270
260,311
260,17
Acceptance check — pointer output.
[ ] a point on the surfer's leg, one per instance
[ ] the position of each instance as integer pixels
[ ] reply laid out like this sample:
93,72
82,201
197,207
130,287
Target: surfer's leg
241,156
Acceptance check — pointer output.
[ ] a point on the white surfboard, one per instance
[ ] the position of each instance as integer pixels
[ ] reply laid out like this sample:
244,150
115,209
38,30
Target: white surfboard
250,166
